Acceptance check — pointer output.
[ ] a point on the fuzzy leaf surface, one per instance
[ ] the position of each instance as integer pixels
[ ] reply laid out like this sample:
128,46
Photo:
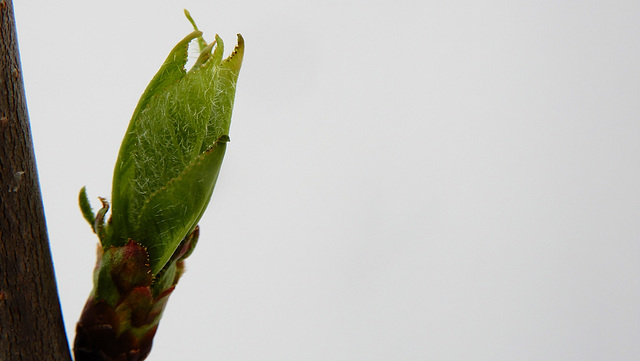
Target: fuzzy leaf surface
172,152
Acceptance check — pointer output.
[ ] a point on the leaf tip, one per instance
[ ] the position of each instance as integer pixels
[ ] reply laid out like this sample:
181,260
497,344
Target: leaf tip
85,207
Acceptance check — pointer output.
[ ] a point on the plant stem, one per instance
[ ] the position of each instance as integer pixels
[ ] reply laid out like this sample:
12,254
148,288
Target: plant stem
31,326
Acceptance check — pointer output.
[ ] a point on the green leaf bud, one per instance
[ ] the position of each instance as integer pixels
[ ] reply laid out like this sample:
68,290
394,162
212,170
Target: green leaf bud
173,149
165,174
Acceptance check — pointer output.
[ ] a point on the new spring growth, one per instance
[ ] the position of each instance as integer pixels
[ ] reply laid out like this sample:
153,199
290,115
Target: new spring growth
172,151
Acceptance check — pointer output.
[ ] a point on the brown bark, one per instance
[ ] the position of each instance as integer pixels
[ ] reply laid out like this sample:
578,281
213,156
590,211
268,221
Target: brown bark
31,326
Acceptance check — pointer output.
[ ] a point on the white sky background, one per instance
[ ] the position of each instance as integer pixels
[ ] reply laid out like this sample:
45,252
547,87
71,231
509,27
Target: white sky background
407,180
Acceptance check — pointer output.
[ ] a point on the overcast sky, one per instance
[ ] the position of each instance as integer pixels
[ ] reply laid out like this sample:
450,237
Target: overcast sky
406,180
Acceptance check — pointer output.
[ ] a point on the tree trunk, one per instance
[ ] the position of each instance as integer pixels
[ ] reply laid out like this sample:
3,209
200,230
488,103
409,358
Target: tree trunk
31,326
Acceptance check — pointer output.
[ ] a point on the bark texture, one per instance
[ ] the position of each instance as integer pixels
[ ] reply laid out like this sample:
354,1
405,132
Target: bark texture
31,326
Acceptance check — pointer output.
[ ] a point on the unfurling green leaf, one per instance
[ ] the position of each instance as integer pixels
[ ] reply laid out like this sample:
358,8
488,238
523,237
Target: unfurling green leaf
164,177
173,149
